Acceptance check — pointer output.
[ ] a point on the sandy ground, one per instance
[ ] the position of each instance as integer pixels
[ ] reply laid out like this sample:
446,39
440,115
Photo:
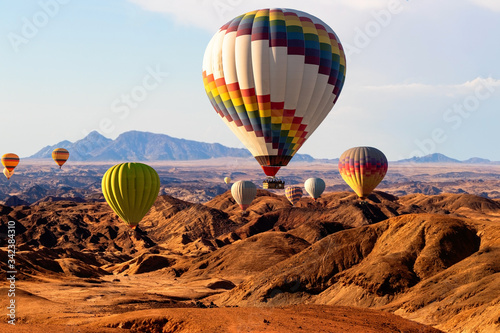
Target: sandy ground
148,303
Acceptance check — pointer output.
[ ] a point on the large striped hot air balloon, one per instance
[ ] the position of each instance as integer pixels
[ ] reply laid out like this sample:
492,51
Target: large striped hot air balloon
130,189
363,168
315,186
10,161
293,194
60,156
243,192
273,75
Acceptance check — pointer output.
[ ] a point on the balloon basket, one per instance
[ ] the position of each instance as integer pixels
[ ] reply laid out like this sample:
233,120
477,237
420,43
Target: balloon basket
273,183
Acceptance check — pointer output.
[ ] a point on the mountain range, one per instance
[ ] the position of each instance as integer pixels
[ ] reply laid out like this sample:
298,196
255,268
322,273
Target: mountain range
146,146
440,158
140,146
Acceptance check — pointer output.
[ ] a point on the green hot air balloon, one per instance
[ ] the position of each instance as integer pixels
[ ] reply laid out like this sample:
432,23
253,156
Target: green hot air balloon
315,186
130,189
244,192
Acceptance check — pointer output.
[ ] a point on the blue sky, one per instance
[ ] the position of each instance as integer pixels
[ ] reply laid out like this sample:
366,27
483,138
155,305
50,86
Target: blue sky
422,76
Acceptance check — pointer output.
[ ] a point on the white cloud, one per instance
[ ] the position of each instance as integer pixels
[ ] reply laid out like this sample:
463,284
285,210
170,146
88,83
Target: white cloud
488,4
366,5
449,90
211,14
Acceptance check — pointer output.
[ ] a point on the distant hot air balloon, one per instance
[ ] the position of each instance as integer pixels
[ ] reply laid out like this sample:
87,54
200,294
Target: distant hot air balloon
244,192
130,190
315,186
8,173
60,156
363,168
10,161
293,194
273,75
227,180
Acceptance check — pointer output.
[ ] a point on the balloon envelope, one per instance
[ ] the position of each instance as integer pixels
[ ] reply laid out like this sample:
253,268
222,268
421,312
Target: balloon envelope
130,189
293,194
363,168
244,192
10,161
273,75
8,173
227,180
315,187
60,156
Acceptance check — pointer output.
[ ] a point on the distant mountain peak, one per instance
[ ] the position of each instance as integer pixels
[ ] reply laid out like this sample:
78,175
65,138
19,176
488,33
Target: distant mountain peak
477,160
441,158
140,146
95,135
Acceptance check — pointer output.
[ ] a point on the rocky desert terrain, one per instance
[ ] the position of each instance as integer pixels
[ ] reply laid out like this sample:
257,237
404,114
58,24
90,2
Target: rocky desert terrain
202,180
419,255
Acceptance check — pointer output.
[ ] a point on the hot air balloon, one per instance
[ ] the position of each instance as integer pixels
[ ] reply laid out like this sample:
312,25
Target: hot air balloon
10,161
60,156
293,194
8,173
244,192
227,180
130,189
273,75
315,186
363,168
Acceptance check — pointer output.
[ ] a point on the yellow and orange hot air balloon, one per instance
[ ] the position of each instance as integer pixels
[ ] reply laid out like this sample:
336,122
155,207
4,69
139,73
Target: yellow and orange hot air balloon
363,168
60,156
10,161
8,173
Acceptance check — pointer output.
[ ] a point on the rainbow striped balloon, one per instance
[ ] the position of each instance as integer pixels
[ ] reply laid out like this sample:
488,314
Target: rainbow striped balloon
363,168
10,161
293,194
60,156
273,75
